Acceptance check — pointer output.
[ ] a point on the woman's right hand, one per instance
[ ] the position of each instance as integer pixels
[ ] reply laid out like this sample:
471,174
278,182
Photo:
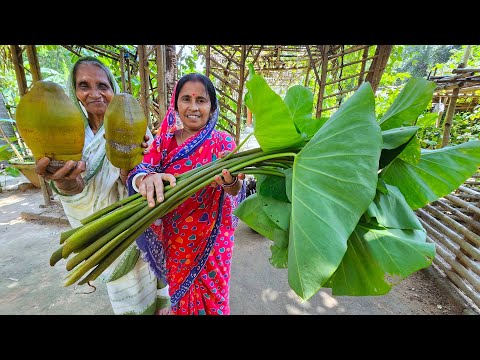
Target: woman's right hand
151,184
67,177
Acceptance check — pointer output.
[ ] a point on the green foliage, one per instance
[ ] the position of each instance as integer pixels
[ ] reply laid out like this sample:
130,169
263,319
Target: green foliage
346,221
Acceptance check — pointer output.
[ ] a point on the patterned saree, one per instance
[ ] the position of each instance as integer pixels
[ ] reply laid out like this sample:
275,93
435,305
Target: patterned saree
191,247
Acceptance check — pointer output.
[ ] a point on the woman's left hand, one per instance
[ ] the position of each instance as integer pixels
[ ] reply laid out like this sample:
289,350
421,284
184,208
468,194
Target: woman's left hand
231,184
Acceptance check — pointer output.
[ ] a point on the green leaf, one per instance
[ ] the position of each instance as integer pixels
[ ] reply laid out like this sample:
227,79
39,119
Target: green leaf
280,238
437,174
334,181
392,211
409,104
377,259
288,183
279,257
274,128
278,211
311,126
12,171
5,152
426,120
412,152
393,138
250,211
272,186
409,152
299,100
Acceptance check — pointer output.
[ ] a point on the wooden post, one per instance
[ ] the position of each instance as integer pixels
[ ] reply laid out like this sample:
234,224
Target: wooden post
378,65
161,84
207,61
122,70
19,70
453,102
33,61
323,78
243,58
449,117
143,66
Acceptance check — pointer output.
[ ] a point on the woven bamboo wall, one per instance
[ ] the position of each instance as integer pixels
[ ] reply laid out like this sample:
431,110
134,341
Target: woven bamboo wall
453,225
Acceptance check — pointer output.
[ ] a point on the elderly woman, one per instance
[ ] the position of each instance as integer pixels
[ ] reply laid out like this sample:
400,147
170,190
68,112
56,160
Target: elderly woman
86,186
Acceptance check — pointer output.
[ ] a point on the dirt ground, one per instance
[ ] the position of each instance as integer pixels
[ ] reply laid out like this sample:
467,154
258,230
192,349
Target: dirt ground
28,285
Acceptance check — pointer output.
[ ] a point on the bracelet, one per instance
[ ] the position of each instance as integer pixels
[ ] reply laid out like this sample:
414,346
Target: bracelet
232,184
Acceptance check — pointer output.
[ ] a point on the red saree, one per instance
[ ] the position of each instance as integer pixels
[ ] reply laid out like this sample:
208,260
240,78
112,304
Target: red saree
191,247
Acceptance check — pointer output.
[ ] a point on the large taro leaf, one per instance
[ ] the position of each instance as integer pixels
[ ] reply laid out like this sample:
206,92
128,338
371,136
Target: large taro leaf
278,211
299,100
392,211
271,192
409,104
378,258
438,173
398,141
393,138
272,186
334,181
250,211
412,152
274,127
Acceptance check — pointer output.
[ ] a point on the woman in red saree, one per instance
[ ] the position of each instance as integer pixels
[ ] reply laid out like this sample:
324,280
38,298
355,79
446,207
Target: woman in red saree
191,248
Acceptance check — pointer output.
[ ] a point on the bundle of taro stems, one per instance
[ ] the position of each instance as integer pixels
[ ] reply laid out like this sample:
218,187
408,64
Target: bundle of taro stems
106,234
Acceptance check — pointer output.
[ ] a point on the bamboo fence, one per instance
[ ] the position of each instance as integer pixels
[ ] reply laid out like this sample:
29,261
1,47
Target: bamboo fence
453,225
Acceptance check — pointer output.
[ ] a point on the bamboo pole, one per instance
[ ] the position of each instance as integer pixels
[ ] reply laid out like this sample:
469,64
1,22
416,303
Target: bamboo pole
453,102
122,70
162,86
457,267
461,216
323,79
33,61
465,204
469,248
243,58
441,239
457,280
19,70
143,65
460,229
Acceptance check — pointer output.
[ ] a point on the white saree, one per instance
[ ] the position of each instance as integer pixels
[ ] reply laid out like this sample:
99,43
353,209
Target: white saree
131,285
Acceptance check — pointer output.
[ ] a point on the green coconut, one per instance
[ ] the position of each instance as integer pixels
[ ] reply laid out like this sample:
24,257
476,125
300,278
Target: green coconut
125,127
50,124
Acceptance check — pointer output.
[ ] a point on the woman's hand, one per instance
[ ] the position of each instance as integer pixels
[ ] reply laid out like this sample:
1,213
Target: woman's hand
151,184
230,184
67,178
145,146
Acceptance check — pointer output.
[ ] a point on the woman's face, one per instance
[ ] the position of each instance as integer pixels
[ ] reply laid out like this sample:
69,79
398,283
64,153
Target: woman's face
93,89
194,105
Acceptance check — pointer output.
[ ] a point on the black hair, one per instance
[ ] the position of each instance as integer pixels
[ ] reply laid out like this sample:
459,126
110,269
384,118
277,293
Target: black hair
205,81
